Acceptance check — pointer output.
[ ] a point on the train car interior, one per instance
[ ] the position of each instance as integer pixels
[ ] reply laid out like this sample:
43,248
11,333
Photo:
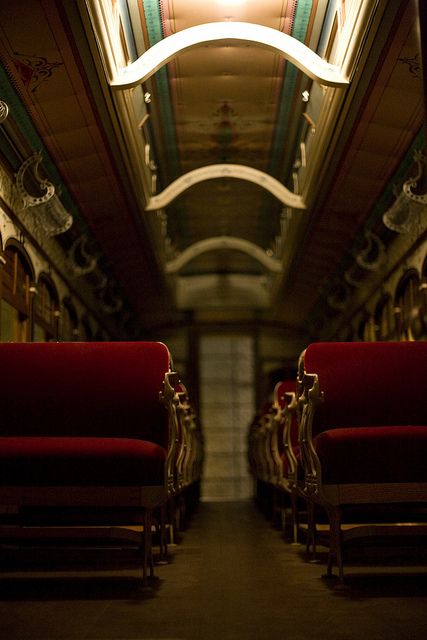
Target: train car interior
213,319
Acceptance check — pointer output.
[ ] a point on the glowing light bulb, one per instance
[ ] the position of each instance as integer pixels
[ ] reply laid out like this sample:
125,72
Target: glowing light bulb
231,3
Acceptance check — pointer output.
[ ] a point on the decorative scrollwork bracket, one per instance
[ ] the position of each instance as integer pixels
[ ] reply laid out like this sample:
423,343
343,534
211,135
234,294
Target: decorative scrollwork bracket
4,111
44,184
83,261
52,217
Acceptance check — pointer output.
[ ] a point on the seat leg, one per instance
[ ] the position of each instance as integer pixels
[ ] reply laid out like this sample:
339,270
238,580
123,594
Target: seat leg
335,543
294,517
177,516
278,507
311,531
162,536
283,516
147,559
171,511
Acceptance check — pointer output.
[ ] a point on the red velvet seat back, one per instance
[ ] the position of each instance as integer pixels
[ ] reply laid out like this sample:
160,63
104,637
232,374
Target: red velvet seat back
369,384
285,386
102,389
281,388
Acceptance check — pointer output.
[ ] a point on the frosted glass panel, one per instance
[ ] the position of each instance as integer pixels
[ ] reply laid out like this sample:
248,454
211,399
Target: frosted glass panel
227,406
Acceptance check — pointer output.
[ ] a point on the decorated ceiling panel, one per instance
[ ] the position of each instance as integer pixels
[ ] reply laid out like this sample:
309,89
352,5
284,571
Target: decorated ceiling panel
337,145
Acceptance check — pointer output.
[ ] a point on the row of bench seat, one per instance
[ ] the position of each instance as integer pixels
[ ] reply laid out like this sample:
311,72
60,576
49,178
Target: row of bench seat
94,433
347,439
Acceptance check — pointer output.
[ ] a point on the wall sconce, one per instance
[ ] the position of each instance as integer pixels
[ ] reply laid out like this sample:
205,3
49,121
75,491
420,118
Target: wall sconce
110,299
52,216
339,297
4,111
407,208
369,258
56,219
372,255
83,260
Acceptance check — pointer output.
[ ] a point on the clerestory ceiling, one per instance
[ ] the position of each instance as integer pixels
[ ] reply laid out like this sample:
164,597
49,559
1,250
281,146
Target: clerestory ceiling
230,182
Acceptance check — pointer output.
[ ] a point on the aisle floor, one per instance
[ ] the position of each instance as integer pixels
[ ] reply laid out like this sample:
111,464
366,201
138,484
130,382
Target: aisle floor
232,576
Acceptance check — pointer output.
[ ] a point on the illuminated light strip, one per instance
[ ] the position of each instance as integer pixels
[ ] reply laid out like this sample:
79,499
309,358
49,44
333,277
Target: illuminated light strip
239,171
223,242
296,52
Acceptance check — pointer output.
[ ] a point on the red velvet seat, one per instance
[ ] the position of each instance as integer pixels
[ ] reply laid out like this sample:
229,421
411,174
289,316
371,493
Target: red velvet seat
372,454
41,461
285,432
88,424
364,428
188,460
281,440
259,444
262,464
283,393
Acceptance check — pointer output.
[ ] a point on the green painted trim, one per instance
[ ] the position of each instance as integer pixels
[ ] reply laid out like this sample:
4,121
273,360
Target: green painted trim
299,31
153,20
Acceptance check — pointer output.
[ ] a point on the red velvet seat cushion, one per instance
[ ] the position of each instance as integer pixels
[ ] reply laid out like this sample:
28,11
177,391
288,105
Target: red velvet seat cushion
373,454
44,461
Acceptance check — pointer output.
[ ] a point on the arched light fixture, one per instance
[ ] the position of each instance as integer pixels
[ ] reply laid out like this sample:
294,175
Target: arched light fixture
222,242
292,49
239,171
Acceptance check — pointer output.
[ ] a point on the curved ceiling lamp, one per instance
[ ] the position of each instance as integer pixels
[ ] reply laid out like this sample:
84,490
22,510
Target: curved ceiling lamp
291,48
222,242
240,171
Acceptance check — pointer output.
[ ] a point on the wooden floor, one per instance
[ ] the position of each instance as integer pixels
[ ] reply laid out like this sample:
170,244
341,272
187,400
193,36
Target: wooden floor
232,576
